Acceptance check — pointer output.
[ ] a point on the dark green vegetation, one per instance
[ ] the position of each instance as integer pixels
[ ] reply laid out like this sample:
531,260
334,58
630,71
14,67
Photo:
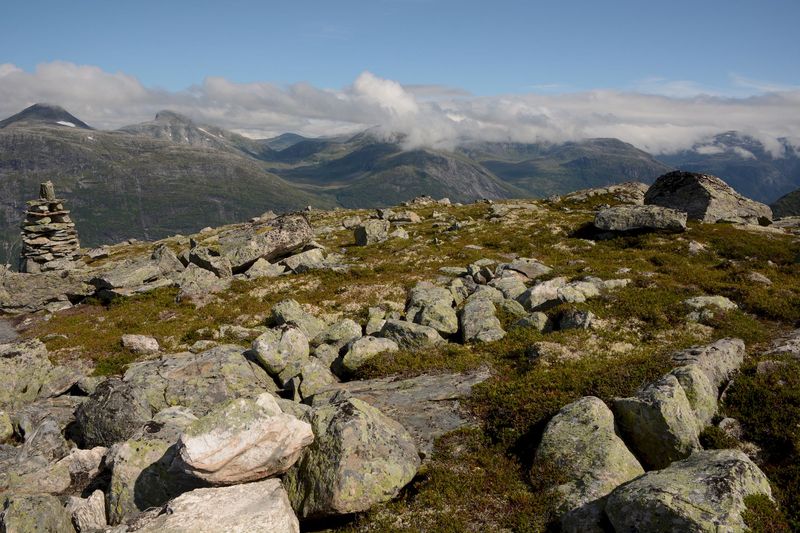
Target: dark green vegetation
788,205
480,479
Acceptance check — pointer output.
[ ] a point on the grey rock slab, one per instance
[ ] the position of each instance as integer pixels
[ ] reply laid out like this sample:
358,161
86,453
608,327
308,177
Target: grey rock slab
705,198
279,347
703,493
428,405
290,312
114,412
304,261
264,269
339,333
640,218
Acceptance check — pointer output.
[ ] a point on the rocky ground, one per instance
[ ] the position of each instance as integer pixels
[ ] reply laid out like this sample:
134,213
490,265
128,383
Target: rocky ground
585,362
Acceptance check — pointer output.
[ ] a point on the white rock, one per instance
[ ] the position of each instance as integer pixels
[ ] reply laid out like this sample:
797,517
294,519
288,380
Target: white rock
140,344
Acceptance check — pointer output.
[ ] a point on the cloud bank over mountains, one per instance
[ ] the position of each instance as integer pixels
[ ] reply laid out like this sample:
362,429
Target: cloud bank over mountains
427,115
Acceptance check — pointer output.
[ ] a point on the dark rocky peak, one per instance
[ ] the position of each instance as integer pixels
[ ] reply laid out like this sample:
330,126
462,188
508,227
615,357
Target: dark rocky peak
165,115
45,114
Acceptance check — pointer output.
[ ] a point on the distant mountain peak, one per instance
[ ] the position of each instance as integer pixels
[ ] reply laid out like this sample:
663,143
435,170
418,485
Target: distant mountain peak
166,115
45,114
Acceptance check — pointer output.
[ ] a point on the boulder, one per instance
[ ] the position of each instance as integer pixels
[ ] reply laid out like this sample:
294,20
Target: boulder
701,393
542,295
704,306
28,293
6,428
114,412
371,231
261,507
640,218
581,443
273,239
788,345
34,514
339,334
26,374
433,307
479,321
530,268
197,284
240,441
705,198
278,348
364,349
264,269
359,457
315,377
88,514
141,473
410,336
210,260
718,361
658,423
140,344
305,261
290,312
199,381
704,492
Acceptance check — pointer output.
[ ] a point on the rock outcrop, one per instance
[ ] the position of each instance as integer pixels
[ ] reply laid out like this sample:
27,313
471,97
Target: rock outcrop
705,198
640,218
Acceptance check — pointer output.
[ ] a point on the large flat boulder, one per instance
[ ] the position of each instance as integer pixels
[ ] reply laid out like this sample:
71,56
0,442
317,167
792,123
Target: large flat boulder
582,444
640,218
703,493
705,198
261,507
278,237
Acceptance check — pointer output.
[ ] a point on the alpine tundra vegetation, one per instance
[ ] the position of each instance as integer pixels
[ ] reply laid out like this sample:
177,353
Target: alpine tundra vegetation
620,359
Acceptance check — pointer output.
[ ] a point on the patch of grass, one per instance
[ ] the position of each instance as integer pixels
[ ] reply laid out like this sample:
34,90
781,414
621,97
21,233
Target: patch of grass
763,516
714,438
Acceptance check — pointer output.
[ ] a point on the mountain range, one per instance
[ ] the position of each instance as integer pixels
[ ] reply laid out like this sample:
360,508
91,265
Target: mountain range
173,175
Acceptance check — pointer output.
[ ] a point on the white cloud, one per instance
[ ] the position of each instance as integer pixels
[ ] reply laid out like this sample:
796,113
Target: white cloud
658,121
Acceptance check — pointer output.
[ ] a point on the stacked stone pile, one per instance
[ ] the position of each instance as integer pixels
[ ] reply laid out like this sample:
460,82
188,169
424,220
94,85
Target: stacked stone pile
49,237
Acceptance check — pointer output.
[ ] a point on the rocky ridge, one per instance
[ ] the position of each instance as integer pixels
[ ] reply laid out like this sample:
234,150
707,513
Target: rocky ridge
288,402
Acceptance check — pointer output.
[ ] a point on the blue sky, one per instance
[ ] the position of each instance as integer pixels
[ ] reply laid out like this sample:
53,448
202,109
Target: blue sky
482,47
662,75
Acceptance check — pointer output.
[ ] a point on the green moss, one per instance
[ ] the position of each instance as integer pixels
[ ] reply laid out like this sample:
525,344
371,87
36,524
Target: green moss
714,438
763,516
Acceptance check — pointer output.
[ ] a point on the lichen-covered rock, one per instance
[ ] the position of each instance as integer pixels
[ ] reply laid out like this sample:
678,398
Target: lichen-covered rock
542,295
198,284
432,306
371,231
479,321
6,428
315,377
270,240
364,349
700,392
141,473
114,412
199,381
264,269
211,261
359,458
581,443
410,336
339,333
706,198
639,218
26,374
305,261
277,348
703,493
704,307
261,507
34,514
658,423
242,440
290,312
718,361
530,268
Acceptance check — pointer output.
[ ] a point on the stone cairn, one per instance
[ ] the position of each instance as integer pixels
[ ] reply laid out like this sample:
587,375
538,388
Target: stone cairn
49,238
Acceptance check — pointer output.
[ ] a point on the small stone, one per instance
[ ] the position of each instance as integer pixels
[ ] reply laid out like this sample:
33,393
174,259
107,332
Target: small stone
140,344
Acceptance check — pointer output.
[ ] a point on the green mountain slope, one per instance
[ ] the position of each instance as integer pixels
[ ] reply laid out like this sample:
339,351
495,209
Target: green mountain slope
787,205
123,186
